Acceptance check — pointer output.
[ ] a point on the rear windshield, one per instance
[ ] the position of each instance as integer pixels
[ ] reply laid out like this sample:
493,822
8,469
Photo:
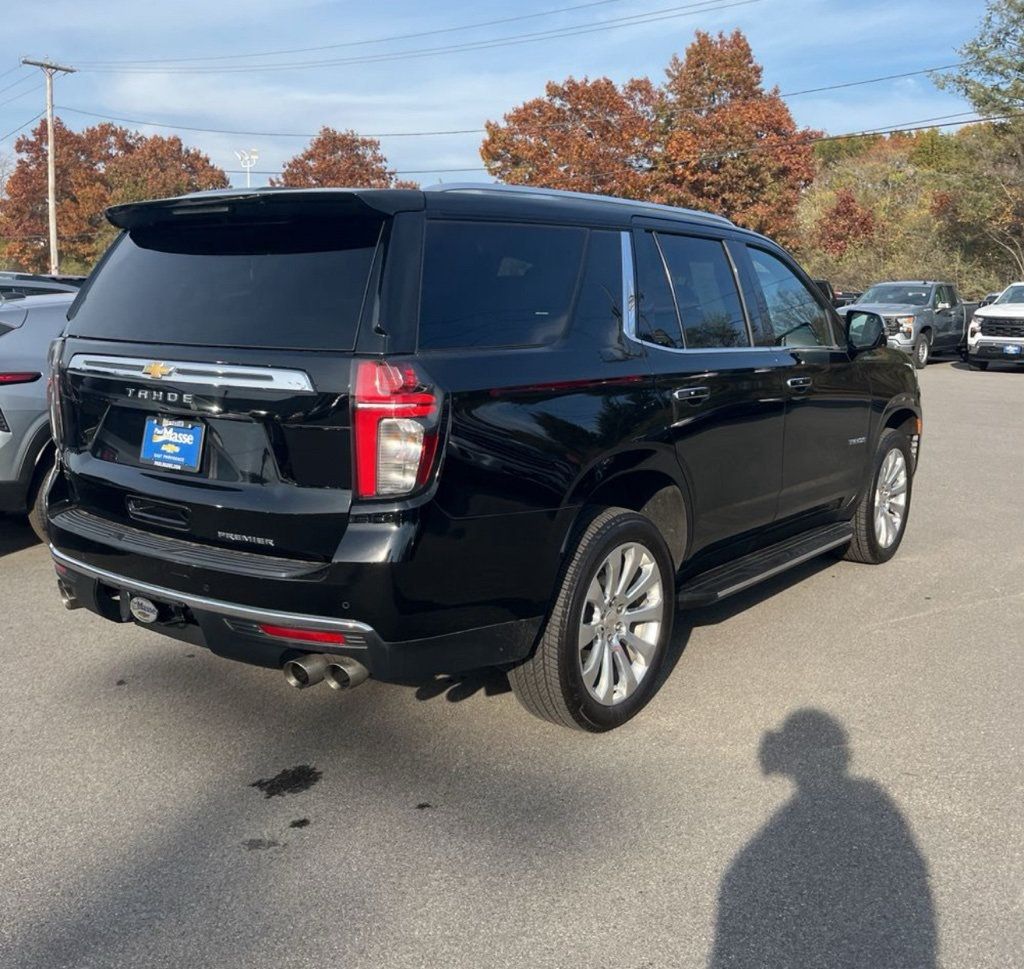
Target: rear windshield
295,284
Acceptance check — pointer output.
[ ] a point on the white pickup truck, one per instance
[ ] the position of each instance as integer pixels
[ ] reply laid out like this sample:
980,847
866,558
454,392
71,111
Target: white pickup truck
996,331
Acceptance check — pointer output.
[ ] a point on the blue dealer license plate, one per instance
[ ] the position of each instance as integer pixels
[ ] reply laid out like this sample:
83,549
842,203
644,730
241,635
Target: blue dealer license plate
1012,349
177,445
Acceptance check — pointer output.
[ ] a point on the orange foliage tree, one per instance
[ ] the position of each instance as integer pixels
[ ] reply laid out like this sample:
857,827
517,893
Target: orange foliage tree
95,167
339,158
584,136
710,137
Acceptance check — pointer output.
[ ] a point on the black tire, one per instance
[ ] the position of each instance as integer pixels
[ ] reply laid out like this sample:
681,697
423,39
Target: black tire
922,349
978,364
865,546
36,502
550,683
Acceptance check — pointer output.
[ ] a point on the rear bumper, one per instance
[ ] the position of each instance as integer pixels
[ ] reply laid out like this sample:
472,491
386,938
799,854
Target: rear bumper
232,629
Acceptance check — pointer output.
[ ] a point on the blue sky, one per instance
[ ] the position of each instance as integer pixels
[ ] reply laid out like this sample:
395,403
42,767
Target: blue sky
801,44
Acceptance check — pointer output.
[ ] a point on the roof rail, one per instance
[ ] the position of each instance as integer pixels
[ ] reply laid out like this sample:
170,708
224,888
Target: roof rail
486,187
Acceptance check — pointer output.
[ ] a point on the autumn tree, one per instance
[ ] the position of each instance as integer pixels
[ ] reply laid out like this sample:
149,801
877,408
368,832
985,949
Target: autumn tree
95,167
583,135
710,137
341,159
911,206
729,145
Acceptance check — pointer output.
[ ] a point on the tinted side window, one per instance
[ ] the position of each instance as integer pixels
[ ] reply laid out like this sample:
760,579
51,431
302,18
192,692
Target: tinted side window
794,317
705,290
494,285
598,314
657,320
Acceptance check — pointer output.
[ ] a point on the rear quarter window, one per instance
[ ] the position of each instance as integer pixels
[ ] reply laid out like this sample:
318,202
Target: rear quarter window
497,285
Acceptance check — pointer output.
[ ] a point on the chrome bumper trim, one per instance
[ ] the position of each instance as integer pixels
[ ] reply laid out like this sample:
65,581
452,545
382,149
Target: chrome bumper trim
231,609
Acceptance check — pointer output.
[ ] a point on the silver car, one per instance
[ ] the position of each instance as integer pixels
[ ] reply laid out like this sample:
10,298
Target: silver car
27,327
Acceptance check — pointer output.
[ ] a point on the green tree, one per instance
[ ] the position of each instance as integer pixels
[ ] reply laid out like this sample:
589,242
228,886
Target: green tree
991,75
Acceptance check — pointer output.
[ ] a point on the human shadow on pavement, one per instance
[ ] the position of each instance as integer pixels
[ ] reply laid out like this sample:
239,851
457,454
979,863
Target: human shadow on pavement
834,878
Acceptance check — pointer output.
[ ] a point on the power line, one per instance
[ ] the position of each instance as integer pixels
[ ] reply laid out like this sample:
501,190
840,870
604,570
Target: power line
21,80
14,131
356,43
870,80
450,131
17,67
265,134
655,16
31,90
905,127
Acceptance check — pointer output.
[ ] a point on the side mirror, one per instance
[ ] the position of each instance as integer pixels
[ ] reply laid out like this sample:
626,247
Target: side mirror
942,306
865,331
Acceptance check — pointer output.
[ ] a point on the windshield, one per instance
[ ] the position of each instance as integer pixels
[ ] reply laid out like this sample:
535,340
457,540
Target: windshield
296,283
897,293
1012,294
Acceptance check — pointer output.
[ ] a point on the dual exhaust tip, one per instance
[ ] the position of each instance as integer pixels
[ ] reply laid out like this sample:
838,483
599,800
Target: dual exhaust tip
341,672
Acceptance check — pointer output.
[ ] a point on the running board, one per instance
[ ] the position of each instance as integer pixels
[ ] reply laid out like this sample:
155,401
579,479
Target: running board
713,586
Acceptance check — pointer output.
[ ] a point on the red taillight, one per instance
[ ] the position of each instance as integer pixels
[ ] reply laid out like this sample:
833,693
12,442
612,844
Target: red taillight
24,377
303,635
395,415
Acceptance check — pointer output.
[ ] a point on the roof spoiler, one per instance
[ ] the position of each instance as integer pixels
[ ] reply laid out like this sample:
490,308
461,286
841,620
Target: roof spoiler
266,204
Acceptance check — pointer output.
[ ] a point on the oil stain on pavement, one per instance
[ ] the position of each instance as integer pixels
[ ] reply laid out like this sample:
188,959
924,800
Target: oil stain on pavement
292,780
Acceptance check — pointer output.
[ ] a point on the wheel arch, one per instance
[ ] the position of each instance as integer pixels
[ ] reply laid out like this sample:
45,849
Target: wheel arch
649,482
902,412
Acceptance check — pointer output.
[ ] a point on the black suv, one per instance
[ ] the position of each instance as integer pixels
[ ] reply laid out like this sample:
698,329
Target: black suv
398,433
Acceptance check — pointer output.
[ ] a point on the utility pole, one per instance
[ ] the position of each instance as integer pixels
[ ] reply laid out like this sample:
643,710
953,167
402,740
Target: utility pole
49,69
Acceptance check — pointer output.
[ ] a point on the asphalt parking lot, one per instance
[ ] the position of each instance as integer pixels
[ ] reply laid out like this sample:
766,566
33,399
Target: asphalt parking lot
831,776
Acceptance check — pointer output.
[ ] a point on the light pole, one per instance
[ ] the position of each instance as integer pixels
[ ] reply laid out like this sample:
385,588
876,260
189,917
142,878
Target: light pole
247,158
49,69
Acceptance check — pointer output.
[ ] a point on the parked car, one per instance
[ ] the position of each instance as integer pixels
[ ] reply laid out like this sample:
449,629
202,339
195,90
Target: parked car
18,285
396,433
989,298
27,327
997,331
921,318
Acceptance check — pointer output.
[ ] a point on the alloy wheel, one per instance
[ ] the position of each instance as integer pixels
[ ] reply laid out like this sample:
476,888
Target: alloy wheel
891,497
621,623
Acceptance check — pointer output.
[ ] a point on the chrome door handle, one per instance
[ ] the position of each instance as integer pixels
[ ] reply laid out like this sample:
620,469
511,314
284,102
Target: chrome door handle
692,395
799,383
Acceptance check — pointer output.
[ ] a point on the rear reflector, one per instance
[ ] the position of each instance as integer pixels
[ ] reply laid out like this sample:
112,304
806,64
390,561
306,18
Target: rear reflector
303,635
23,377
